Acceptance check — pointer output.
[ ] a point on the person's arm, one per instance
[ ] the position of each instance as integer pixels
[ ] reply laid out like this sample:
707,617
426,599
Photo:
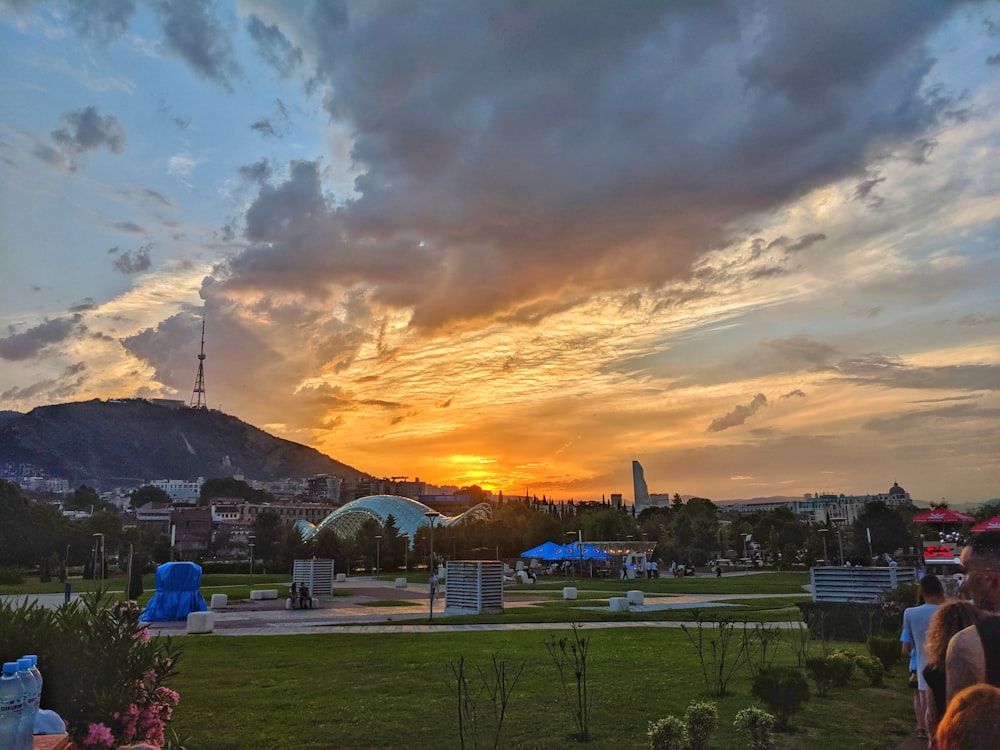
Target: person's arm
906,637
965,663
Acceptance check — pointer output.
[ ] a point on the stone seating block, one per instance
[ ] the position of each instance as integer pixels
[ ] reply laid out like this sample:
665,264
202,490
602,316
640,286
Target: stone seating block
258,594
200,622
400,583
220,600
636,597
618,604
569,592
341,577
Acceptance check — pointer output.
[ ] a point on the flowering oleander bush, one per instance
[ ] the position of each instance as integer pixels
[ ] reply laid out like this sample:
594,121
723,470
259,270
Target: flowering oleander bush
102,672
668,733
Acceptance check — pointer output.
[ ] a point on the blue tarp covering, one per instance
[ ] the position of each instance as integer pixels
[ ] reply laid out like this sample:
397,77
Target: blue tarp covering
176,594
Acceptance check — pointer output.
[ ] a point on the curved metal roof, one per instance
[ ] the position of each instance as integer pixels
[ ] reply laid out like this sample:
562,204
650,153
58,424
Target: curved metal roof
408,513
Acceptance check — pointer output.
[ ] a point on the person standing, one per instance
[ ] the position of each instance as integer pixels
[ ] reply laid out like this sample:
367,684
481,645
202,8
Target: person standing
974,653
916,621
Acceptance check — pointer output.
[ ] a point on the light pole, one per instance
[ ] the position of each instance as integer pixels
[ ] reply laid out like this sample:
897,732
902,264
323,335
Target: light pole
824,532
579,539
378,552
840,541
99,545
251,539
431,515
746,565
406,552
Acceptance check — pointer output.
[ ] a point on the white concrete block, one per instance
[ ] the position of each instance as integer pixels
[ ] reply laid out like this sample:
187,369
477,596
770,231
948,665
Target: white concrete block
618,604
220,600
569,592
341,577
200,622
258,594
400,583
636,597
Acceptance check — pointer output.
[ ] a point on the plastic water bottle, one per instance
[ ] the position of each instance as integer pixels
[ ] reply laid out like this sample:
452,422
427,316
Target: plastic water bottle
36,673
11,706
26,726
32,693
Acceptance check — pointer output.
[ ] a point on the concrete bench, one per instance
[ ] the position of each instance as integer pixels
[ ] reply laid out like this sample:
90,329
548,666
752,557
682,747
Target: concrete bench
200,622
258,594
618,604
636,597
400,583
220,600
341,577
569,592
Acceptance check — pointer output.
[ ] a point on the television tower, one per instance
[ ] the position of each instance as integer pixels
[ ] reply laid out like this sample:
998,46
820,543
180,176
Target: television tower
198,400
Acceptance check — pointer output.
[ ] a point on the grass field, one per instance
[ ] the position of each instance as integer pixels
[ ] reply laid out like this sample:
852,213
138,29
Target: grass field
395,691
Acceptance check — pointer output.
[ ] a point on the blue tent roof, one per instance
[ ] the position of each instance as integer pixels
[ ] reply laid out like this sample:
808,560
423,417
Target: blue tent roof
176,594
546,551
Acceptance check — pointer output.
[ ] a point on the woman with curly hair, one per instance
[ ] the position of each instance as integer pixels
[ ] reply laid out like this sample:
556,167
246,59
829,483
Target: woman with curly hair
972,721
952,616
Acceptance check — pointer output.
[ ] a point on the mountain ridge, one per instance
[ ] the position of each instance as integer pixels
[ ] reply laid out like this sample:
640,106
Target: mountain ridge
128,441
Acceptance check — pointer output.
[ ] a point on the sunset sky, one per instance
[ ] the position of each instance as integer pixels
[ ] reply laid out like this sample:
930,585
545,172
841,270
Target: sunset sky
753,245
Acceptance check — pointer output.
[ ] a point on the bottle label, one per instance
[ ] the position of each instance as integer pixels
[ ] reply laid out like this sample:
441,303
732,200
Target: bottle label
11,706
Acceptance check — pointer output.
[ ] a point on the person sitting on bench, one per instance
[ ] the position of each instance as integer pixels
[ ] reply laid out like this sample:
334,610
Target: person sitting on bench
305,600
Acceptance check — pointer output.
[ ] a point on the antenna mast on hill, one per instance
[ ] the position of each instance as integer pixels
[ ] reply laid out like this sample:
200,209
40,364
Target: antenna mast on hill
198,400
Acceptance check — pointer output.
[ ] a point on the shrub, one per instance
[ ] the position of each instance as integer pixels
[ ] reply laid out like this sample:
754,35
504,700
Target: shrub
669,733
700,719
873,669
830,671
886,649
103,674
783,690
756,727
845,621
11,576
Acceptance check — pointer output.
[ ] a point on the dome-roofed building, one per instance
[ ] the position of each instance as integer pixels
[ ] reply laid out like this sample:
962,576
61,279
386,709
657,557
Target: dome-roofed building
409,515
897,491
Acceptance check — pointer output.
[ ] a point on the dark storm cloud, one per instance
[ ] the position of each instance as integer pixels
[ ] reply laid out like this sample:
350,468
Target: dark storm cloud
85,130
274,47
30,343
198,38
739,415
545,149
133,261
104,20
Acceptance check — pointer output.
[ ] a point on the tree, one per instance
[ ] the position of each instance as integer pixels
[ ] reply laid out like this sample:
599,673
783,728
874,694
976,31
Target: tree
148,494
887,526
85,498
15,544
267,528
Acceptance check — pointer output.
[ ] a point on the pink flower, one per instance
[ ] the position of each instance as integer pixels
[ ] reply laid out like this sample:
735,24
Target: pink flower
99,736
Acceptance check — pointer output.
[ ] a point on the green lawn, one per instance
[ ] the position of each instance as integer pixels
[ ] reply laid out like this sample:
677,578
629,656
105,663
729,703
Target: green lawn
394,691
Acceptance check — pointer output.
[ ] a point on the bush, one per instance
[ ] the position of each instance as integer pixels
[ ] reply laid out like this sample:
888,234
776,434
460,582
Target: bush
886,649
846,621
756,727
103,674
872,668
783,690
669,733
830,671
11,576
700,720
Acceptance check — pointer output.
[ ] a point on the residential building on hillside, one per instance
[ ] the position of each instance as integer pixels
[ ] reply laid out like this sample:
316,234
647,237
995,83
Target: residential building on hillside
181,491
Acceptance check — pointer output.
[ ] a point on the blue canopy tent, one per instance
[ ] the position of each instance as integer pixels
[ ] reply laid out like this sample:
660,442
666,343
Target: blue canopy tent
546,551
176,594
576,551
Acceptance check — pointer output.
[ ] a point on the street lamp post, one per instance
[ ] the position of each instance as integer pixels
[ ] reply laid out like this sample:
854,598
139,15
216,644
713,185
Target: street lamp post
378,553
251,539
431,515
406,552
99,545
840,541
746,566
824,533
579,539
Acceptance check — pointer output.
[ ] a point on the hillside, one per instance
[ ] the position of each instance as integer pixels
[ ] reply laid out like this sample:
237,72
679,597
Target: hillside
112,443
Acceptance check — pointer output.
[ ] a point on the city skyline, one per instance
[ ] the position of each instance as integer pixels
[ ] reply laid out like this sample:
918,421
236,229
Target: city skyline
752,245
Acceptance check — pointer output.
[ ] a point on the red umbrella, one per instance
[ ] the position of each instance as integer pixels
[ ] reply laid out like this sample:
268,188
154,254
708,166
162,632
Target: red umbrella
992,525
942,515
